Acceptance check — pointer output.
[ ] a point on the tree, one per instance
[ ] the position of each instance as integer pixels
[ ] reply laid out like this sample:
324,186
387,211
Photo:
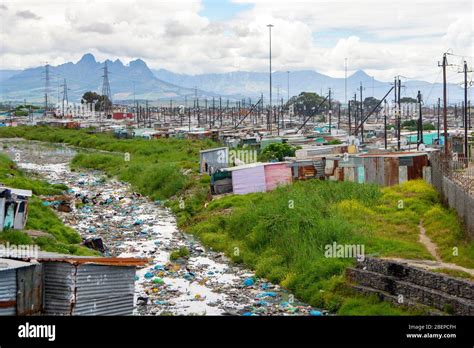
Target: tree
370,103
277,151
307,102
408,100
98,100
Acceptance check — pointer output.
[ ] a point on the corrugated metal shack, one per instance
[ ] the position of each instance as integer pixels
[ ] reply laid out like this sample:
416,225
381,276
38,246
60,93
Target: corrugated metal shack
382,169
21,290
78,285
213,159
248,178
13,208
308,169
277,174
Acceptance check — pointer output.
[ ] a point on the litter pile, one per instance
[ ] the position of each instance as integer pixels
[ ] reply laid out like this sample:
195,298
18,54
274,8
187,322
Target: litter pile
182,277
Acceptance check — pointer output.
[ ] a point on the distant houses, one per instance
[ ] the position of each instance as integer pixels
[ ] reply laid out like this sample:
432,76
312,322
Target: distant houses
332,162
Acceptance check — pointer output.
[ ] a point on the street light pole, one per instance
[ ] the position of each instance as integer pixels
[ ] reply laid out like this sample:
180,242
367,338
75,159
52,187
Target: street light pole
270,114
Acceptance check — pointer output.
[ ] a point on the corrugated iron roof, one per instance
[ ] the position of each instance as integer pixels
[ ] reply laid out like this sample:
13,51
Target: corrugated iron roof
45,256
9,264
18,192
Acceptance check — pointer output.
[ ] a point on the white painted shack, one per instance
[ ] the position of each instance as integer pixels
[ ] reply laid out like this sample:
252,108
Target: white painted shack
13,208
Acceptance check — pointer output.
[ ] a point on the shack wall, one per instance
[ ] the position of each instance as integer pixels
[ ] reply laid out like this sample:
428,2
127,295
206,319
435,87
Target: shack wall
277,174
249,180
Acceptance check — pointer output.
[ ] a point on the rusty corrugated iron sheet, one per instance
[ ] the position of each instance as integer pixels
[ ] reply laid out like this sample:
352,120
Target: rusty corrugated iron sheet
416,170
391,171
45,256
7,292
88,289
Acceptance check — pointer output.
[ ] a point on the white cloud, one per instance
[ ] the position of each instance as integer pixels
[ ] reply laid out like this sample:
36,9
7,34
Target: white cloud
386,38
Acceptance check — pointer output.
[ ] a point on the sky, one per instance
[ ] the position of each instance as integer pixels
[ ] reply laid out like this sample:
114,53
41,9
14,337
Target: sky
383,38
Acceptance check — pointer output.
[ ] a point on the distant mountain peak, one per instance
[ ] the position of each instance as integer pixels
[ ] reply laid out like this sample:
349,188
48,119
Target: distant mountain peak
138,63
87,58
360,74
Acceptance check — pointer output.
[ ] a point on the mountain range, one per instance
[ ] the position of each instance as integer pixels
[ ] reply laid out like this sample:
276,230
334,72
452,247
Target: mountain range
137,80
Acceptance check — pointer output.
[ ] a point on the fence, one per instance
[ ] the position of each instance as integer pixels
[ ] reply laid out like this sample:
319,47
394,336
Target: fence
454,180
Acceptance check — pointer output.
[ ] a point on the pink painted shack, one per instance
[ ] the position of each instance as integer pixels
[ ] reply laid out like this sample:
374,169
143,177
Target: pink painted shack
259,177
248,178
277,174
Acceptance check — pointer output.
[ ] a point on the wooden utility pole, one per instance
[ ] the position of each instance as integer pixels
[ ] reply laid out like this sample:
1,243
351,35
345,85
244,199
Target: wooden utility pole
445,100
349,114
385,123
420,121
439,109
330,111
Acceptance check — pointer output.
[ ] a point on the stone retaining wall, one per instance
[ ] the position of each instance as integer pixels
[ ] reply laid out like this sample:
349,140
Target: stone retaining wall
411,285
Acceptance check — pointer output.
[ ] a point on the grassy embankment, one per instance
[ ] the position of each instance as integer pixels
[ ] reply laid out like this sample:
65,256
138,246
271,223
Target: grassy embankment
41,218
281,243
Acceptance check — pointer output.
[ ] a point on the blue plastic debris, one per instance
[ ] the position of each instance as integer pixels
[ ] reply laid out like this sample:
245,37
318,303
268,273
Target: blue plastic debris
315,313
148,275
267,294
249,282
262,303
264,286
137,222
158,267
248,314
284,304
136,278
91,229
189,276
161,303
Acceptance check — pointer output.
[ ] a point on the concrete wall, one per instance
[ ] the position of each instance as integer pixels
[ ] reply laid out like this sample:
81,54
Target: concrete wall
454,196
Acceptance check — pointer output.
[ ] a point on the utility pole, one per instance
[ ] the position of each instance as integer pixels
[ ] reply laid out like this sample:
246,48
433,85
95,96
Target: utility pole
399,108
465,71
46,88
445,110
338,116
385,123
330,111
65,98
220,111
361,115
349,113
288,86
420,122
356,121
269,125
439,108
345,80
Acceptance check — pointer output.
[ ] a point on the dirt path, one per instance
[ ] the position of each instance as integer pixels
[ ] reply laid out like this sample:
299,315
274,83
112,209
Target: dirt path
426,241
433,250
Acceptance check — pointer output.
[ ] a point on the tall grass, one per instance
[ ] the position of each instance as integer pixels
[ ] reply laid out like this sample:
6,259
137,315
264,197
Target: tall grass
283,234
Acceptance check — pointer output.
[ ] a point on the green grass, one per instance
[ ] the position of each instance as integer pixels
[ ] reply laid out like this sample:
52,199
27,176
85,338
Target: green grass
62,239
454,273
182,252
286,245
